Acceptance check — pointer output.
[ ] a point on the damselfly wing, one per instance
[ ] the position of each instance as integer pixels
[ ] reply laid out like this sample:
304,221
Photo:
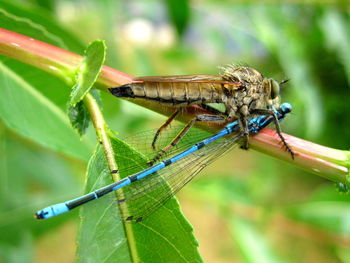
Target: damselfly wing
146,189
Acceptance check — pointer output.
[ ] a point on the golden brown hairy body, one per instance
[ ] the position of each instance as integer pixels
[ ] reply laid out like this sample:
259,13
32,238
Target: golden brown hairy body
242,90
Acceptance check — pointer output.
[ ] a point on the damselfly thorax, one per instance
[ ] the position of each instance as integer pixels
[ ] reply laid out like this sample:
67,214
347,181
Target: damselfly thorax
243,91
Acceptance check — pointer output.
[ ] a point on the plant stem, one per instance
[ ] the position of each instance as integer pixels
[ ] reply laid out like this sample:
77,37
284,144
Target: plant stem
54,60
322,161
101,129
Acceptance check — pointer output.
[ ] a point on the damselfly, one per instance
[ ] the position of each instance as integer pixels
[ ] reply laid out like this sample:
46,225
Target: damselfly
168,176
242,90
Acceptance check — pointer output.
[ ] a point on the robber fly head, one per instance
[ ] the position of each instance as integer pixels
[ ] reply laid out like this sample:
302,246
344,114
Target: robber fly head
273,89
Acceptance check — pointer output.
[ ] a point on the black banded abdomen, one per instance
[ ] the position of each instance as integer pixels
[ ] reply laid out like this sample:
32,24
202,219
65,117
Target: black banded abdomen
124,91
174,93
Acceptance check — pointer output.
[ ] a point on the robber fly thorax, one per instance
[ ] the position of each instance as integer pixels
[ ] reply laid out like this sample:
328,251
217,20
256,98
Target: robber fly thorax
243,91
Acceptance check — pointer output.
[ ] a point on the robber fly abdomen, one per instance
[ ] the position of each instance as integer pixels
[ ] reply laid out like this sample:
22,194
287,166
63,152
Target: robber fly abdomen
177,90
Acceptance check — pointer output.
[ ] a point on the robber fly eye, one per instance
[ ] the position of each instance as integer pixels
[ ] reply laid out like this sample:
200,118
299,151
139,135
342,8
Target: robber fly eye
275,88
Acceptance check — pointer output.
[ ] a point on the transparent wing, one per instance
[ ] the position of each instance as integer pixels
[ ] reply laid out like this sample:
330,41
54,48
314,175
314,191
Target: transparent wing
187,78
141,143
148,194
144,196
179,78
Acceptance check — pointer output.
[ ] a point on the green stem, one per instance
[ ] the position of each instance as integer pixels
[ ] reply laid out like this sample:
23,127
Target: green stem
322,161
102,131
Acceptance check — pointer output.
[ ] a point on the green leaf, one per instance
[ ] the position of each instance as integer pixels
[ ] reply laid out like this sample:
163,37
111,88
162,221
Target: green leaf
253,244
89,70
31,178
326,208
179,14
26,22
343,253
101,237
270,23
333,216
336,33
30,114
87,75
164,236
36,23
79,117
18,252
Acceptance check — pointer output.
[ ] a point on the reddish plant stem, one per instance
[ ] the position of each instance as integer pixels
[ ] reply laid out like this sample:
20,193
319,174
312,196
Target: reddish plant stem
322,161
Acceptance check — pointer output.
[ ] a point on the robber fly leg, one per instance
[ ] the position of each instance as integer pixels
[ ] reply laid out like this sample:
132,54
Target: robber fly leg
164,126
172,117
245,132
184,131
211,110
277,126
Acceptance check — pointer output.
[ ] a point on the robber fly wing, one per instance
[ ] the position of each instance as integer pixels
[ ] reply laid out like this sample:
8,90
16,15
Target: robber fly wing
186,78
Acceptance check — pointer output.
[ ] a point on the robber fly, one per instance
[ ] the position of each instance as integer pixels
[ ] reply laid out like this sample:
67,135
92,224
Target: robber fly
243,91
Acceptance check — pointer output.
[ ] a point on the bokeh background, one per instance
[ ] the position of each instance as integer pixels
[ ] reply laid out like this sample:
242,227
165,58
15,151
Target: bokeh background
245,207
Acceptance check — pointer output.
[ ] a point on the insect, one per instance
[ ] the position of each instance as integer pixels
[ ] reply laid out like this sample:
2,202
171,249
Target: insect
167,177
243,91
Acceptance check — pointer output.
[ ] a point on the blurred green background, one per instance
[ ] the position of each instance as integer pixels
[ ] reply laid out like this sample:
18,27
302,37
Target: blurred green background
246,207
